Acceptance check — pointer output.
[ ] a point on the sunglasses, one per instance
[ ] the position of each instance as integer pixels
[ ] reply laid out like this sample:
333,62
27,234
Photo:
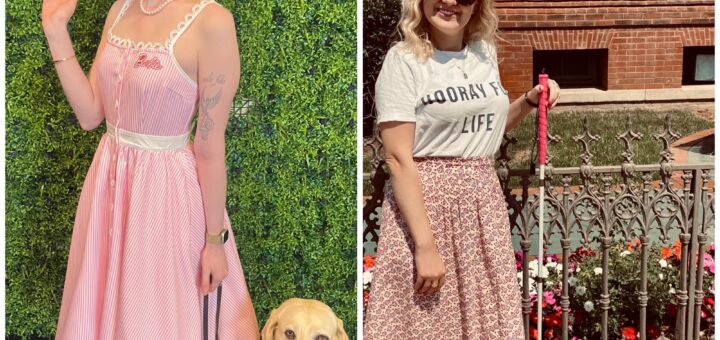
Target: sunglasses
465,2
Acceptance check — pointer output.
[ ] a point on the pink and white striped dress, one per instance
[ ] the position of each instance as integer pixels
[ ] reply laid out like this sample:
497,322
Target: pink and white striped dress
134,265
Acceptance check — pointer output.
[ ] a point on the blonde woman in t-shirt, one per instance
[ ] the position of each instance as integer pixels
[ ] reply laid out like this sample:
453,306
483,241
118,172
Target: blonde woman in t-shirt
445,266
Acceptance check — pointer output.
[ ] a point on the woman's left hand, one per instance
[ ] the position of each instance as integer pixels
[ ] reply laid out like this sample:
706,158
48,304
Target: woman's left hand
553,93
212,263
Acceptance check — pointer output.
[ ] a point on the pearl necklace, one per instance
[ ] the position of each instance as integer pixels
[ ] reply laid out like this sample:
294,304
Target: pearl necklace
156,10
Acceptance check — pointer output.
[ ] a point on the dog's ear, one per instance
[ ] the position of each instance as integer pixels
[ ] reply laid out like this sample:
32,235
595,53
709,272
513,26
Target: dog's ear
340,332
268,332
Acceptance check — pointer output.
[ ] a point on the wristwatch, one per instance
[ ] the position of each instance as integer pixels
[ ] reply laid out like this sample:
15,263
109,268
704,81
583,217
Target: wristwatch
217,239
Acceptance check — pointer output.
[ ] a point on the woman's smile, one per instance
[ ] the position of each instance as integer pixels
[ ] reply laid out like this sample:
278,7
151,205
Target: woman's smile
447,21
447,12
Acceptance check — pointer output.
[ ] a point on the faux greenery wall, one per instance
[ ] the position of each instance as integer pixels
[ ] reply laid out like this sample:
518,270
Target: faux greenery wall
291,158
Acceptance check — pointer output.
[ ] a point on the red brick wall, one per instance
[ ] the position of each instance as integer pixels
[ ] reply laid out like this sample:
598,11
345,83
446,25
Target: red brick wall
645,39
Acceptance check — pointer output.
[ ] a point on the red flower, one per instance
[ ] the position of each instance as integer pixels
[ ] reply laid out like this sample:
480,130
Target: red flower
579,253
652,331
368,262
629,333
633,244
666,253
533,332
553,320
366,297
708,307
533,316
578,317
678,249
548,333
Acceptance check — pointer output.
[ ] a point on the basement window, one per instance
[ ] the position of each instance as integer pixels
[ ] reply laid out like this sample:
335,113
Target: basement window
573,68
698,65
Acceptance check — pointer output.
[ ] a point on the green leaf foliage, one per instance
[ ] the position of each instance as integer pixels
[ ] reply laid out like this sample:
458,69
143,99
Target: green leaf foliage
291,158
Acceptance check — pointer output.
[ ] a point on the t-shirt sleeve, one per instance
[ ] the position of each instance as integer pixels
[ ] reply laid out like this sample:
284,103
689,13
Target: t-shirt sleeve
395,95
491,50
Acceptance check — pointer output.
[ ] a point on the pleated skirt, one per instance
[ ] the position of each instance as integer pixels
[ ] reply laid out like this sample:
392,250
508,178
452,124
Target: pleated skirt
481,298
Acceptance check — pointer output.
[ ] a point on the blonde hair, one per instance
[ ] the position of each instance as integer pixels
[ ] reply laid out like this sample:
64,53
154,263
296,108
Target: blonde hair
415,32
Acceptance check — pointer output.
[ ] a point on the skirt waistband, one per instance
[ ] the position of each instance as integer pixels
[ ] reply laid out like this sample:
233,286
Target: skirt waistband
147,142
482,161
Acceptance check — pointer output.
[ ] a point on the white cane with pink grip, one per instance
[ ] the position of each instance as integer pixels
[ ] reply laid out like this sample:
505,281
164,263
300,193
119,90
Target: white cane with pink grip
542,151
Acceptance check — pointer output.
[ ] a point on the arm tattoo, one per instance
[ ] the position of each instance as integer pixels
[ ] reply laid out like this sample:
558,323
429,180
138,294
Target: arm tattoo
208,102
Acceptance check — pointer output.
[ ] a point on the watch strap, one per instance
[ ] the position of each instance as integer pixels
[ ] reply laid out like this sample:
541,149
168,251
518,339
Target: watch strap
220,238
529,102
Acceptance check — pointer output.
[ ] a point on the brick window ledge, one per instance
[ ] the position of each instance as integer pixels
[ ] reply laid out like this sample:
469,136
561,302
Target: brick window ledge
592,95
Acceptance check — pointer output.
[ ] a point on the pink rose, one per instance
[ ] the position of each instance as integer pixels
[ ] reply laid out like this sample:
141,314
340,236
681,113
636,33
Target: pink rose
709,264
549,298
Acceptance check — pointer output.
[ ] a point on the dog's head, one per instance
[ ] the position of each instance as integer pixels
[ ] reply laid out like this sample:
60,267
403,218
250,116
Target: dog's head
301,319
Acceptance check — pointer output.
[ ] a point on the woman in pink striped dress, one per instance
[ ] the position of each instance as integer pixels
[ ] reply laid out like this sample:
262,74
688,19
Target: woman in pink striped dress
148,240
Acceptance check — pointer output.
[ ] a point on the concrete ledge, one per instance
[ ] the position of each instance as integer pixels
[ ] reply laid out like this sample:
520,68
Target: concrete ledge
689,92
693,138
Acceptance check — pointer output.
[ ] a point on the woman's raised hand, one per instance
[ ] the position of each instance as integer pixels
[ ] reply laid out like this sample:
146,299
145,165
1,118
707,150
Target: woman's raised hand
553,93
57,13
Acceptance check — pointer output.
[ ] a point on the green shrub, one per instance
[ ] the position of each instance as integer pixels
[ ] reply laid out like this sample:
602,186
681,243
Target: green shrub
291,158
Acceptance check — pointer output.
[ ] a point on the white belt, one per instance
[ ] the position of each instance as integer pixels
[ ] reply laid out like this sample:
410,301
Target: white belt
147,142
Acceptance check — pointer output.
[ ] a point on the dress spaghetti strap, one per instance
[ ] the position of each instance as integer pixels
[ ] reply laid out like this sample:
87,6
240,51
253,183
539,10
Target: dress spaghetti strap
120,14
183,25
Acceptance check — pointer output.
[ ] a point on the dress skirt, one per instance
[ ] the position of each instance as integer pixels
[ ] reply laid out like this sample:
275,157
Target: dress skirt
481,298
134,264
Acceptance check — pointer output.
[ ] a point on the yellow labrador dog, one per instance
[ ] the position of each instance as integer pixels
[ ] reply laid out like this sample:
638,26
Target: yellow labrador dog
302,319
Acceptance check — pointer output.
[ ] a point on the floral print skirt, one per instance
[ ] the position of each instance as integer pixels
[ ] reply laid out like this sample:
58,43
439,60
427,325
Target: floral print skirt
469,220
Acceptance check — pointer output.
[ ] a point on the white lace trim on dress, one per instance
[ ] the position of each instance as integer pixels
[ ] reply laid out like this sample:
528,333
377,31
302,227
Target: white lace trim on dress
174,34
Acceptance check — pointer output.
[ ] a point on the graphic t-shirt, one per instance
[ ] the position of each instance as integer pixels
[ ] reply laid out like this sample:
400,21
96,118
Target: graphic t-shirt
455,99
